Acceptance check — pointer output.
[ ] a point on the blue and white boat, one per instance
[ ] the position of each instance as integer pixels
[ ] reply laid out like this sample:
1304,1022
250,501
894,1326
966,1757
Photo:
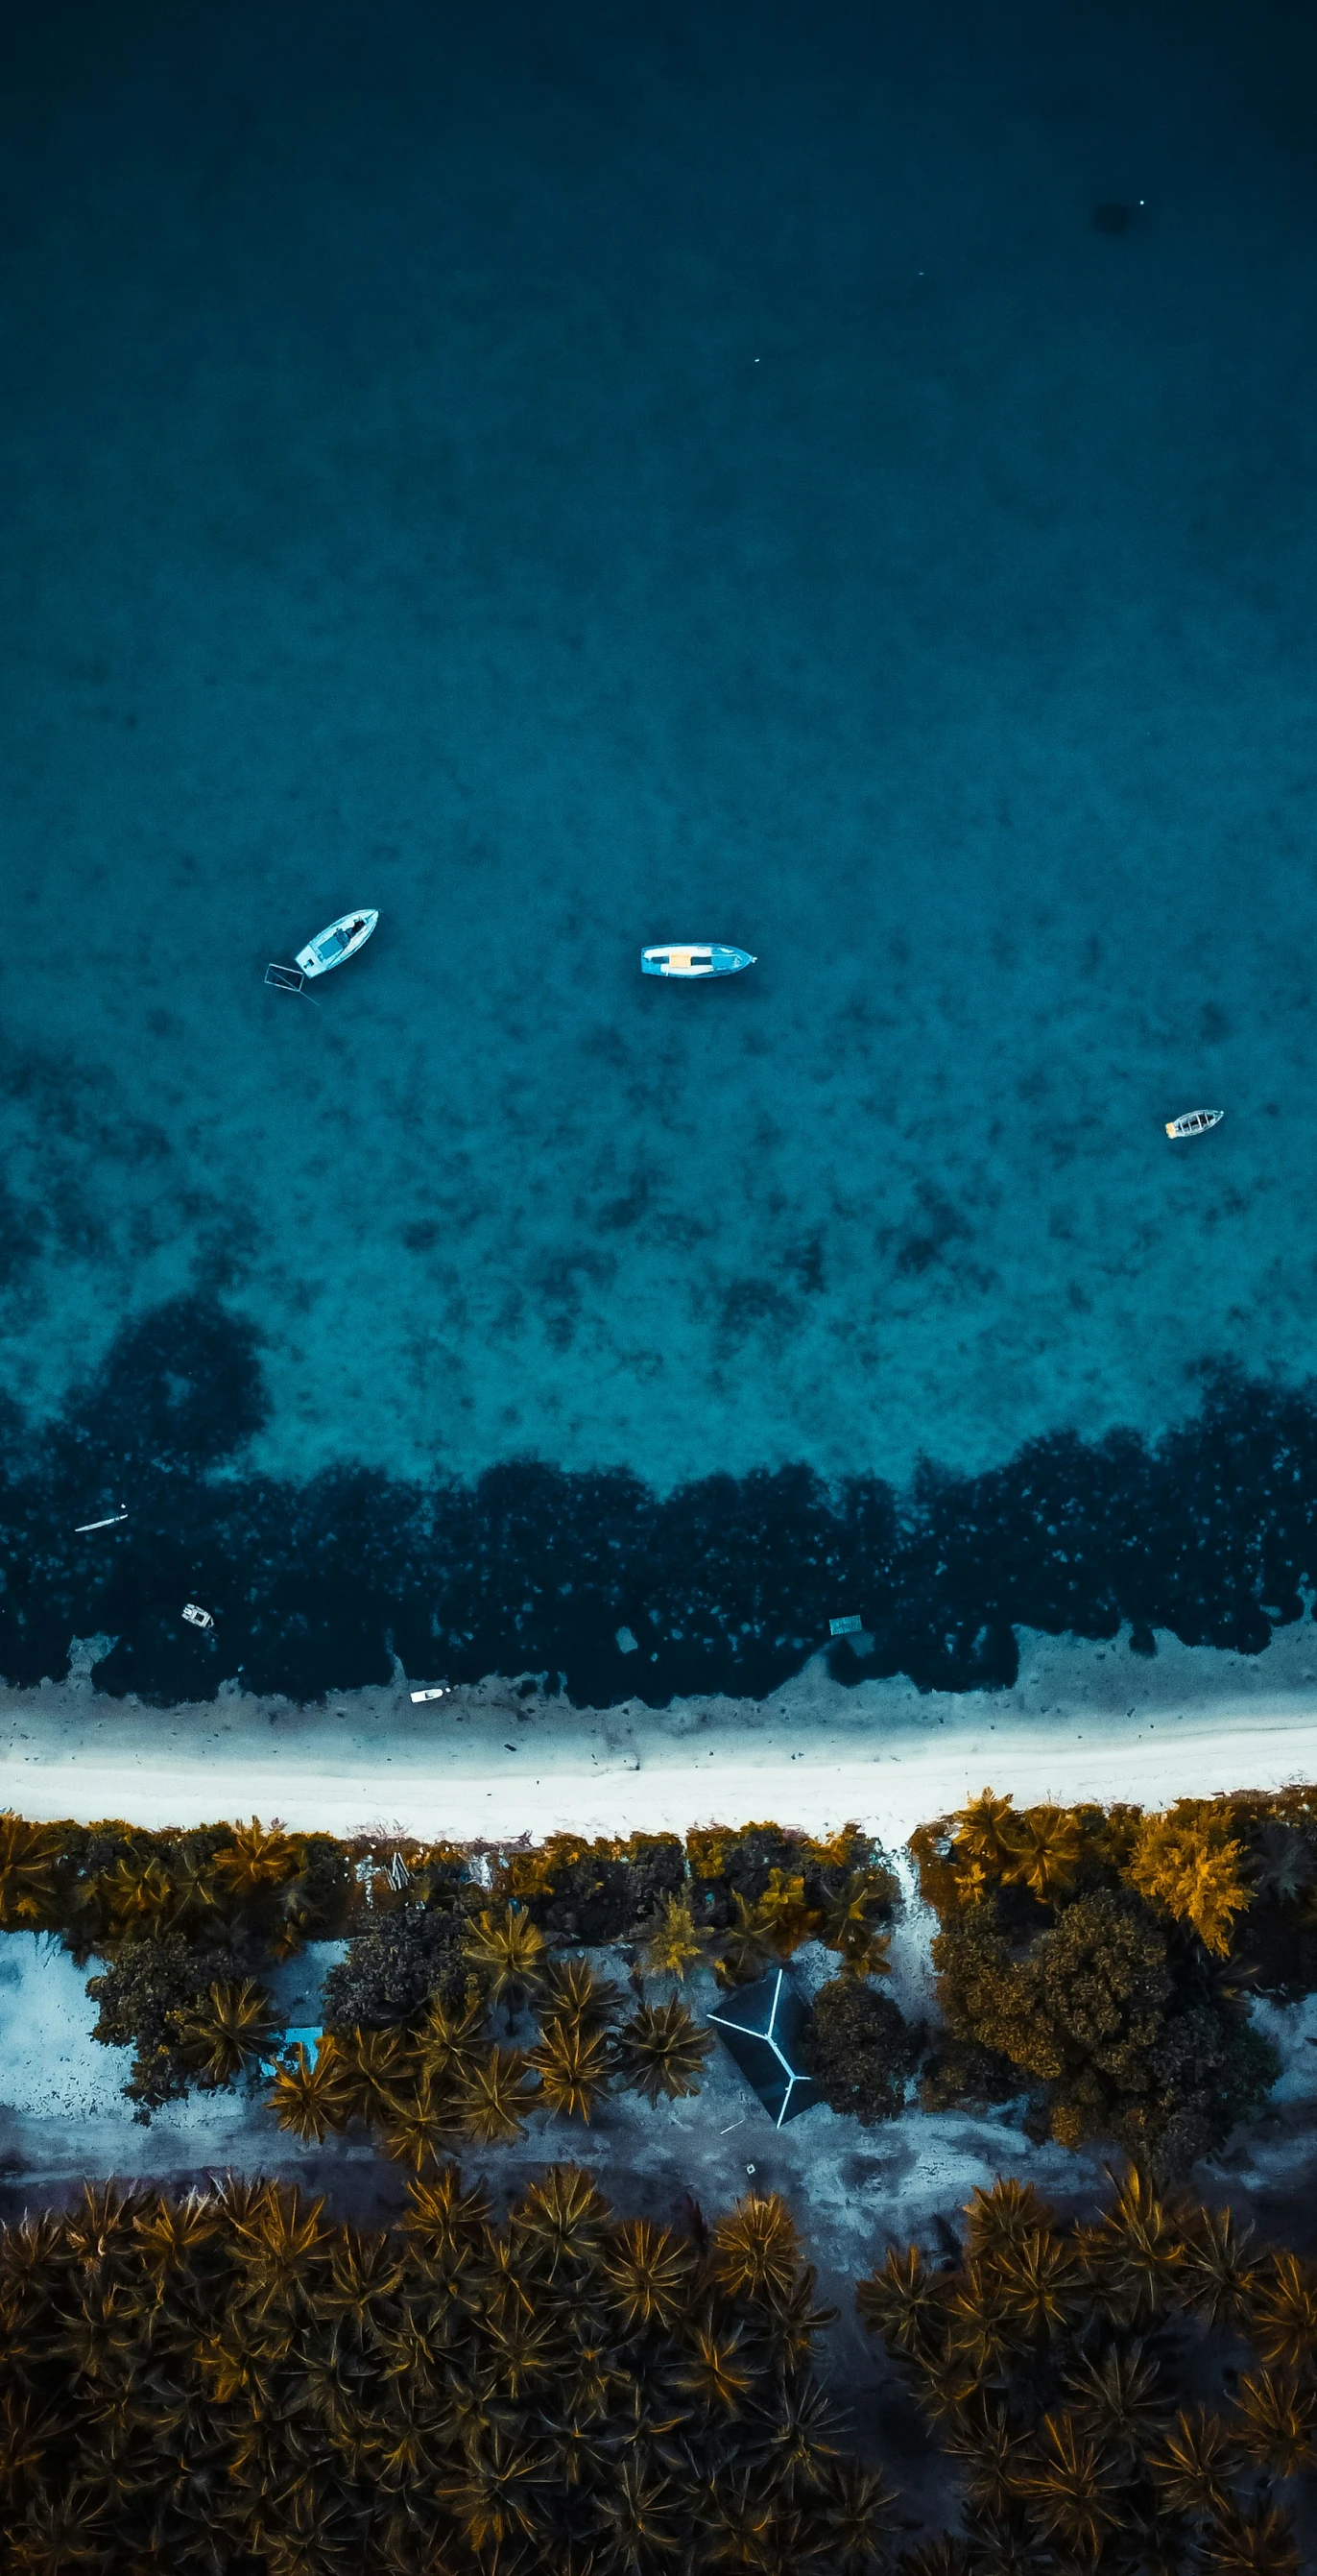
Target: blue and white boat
334,946
693,962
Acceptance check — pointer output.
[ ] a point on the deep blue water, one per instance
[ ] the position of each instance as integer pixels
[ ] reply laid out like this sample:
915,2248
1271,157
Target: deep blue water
838,479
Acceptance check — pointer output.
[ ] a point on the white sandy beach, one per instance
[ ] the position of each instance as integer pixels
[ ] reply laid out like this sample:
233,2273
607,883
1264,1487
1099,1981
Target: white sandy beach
1083,1721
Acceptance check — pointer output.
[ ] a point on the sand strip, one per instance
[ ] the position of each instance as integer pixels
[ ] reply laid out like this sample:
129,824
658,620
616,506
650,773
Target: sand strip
1083,1721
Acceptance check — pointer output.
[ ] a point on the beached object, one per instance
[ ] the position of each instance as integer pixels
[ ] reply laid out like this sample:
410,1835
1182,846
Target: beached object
763,2026
694,962
334,946
1195,1122
81,1527
440,1693
195,1616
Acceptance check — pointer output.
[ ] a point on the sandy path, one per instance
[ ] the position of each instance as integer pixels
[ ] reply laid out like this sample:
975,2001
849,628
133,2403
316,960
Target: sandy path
1083,1722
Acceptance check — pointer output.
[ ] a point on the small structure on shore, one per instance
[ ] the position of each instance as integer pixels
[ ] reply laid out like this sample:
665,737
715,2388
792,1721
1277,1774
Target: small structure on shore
763,2026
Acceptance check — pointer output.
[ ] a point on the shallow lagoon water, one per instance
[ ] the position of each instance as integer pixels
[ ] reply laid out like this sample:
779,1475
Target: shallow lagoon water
578,477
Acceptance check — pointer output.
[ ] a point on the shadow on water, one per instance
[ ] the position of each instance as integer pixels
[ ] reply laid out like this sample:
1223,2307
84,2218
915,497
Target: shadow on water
727,1584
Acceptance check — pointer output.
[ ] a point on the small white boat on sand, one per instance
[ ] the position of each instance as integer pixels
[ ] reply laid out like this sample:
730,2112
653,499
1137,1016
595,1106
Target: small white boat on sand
1195,1122
694,962
334,946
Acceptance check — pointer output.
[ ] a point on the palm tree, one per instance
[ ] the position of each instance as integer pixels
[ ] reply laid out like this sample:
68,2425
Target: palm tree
848,1924
450,2040
494,2095
441,2218
572,2065
749,1947
562,2221
989,2443
1259,2544
29,1858
573,1993
983,1829
785,1912
1117,2399
1281,2316
719,2369
232,2033
1134,2253
1004,2216
1193,2468
755,2249
422,2124
649,2273
673,1941
902,2303
495,2492
1042,2282
310,2100
377,2067
855,2507
1276,2422
140,1900
660,2052
254,1860
1215,2277
507,1951
1043,1847
642,2515
1074,2488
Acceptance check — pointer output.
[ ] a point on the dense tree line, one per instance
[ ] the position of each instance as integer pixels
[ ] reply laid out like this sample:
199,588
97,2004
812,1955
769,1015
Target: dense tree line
728,1584
237,2384
1136,2397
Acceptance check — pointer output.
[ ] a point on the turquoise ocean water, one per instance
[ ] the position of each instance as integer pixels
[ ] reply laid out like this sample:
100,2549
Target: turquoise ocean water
578,475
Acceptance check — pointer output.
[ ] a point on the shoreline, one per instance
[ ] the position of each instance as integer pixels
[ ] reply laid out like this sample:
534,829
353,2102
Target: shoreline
497,1760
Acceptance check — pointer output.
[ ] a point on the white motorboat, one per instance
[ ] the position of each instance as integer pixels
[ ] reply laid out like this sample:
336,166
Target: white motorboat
334,946
1195,1122
695,962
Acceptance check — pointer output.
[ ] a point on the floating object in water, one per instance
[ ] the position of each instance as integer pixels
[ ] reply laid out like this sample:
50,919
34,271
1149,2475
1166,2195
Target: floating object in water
334,946
441,1693
626,1643
195,1616
694,962
1195,1122
285,979
845,1627
113,1521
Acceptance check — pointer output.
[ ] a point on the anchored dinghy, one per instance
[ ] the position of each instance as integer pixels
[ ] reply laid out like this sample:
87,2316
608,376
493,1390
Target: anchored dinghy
1195,1122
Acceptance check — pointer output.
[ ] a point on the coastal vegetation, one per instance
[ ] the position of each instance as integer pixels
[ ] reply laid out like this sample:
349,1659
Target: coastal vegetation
1094,1966
239,2383
1135,2394
1100,1960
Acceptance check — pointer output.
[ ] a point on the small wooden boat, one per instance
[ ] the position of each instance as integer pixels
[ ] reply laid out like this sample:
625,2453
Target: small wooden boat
1195,1122
692,962
334,946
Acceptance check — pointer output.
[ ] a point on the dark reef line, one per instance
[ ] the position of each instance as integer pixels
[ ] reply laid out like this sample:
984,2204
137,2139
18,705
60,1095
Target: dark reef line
727,1584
